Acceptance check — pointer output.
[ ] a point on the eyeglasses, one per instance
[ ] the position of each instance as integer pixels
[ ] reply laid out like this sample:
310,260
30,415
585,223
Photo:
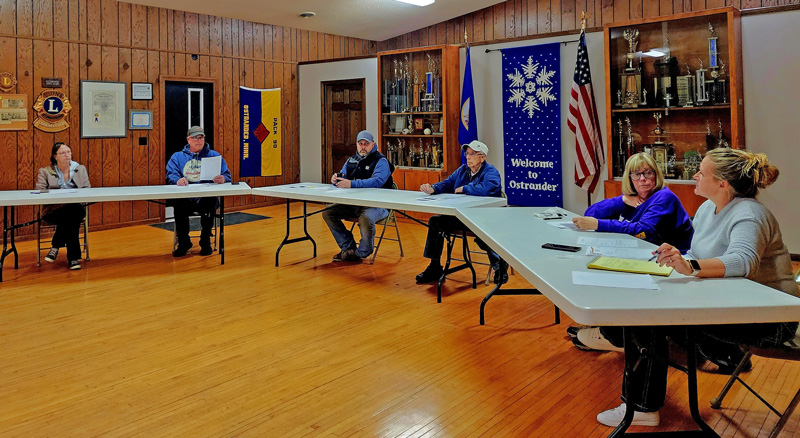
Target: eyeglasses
199,137
471,154
647,174
64,153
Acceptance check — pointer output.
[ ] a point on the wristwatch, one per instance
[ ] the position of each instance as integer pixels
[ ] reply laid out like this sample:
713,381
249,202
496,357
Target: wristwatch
695,267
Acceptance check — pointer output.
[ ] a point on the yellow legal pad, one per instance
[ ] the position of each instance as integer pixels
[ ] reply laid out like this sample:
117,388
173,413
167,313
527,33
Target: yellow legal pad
629,265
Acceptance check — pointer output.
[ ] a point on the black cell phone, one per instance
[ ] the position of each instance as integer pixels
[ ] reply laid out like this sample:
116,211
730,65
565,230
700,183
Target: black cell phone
235,183
560,247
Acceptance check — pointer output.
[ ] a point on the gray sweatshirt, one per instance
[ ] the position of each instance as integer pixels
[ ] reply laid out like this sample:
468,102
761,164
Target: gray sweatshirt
746,238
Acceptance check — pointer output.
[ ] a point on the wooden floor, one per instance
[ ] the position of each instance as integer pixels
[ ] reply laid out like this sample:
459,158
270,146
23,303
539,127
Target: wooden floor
139,344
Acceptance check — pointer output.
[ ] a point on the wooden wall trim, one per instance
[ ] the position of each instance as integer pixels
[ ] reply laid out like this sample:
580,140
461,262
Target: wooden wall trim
182,52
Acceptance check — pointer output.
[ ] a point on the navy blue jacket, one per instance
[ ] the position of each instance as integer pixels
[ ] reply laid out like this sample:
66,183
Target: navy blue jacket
485,183
185,164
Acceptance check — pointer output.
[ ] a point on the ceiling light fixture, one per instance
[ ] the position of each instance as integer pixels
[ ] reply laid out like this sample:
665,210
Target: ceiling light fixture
307,14
418,2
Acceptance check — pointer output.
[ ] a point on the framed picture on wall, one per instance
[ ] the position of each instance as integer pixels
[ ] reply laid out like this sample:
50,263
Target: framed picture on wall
13,112
103,109
141,119
141,91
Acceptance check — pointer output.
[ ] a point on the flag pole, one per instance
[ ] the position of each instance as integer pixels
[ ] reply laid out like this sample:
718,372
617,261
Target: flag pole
584,17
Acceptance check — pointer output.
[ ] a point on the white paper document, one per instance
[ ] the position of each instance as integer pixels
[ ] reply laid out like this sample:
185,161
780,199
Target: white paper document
602,279
447,199
623,253
210,167
563,224
607,241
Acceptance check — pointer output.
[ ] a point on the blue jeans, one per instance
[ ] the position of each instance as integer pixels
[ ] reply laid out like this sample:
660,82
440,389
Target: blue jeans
367,216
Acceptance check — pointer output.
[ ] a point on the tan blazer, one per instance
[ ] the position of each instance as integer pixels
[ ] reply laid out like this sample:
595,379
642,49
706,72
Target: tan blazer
48,179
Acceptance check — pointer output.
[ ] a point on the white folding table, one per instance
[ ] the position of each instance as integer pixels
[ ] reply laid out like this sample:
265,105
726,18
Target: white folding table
10,199
397,200
517,236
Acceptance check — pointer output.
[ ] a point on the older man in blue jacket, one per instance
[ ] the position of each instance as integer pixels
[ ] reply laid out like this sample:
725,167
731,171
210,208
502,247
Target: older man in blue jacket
183,169
476,178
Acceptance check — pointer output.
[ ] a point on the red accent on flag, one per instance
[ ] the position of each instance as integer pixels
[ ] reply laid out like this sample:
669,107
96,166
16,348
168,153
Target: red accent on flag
261,133
583,122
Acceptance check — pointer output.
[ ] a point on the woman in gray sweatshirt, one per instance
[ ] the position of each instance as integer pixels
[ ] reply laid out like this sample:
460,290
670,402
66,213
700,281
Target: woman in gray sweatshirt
734,236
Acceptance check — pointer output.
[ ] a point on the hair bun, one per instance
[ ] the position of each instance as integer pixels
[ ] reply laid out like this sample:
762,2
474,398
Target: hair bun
758,165
767,175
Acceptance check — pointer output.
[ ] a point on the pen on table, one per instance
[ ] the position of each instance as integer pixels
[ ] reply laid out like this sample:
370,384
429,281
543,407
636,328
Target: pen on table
655,254
551,218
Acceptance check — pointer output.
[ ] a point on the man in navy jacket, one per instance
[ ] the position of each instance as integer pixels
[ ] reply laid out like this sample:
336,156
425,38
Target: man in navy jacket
183,169
476,178
368,168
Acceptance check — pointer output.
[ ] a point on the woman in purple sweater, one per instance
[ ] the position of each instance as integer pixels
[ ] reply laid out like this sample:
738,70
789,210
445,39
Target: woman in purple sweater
646,210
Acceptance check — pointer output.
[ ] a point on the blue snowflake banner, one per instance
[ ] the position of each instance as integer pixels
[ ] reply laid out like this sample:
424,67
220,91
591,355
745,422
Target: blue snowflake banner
532,125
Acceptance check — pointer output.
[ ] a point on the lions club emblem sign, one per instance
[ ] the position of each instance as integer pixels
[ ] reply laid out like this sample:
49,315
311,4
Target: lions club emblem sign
51,111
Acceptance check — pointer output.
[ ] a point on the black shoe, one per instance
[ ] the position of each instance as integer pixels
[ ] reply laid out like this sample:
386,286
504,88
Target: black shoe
181,250
206,250
501,274
350,255
338,257
74,265
430,274
724,366
572,331
51,255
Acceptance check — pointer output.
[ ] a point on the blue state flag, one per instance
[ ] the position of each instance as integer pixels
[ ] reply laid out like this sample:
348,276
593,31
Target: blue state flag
468,128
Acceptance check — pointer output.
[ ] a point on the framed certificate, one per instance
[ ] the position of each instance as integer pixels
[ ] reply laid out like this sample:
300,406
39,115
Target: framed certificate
141,119
103,109
141,91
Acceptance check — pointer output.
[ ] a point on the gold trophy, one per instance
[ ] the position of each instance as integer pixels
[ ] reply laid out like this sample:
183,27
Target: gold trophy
631,79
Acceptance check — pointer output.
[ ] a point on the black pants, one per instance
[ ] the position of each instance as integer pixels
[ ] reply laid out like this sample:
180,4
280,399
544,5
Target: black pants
183,208
67,220
440,225
648,381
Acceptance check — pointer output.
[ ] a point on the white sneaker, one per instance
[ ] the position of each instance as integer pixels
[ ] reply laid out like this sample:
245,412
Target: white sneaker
590,338
613,417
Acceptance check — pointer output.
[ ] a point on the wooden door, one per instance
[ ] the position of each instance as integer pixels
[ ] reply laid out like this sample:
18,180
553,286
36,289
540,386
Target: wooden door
343,117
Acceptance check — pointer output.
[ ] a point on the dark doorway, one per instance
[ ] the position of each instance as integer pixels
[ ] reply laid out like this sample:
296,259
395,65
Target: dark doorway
343,116
187,104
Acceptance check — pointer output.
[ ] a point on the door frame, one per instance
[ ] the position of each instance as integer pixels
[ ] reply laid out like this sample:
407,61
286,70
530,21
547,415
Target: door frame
325,156
217,98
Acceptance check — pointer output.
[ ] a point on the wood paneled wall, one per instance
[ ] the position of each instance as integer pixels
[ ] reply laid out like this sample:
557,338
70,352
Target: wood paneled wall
524,18
110,41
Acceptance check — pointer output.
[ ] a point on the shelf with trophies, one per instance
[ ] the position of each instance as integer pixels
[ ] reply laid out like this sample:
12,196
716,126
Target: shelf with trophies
419,100
674,90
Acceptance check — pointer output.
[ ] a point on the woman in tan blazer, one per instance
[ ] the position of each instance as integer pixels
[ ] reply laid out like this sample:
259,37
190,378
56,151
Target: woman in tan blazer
63,173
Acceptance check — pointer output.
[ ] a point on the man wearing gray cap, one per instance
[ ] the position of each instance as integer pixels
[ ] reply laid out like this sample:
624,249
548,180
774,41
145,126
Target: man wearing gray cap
476,178
368,168
183,169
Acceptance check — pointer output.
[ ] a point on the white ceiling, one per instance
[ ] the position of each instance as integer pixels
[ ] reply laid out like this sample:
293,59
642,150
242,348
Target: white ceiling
375,20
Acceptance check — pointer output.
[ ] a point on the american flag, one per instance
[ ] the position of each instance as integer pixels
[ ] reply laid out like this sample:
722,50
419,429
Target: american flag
582,121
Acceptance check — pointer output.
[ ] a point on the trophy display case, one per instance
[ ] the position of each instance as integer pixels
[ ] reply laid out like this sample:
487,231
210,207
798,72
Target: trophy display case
674,90
418,126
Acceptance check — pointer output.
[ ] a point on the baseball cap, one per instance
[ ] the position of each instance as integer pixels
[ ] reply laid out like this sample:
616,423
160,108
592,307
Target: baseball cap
364,135
476,146
195,131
